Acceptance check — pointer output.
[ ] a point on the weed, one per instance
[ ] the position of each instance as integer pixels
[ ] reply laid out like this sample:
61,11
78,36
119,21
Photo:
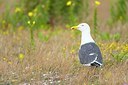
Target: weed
97,3
118,12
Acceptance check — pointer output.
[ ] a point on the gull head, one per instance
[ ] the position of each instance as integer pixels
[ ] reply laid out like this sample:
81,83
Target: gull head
82,27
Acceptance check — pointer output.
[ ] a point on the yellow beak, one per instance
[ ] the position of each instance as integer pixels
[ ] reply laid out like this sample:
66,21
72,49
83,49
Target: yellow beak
74,27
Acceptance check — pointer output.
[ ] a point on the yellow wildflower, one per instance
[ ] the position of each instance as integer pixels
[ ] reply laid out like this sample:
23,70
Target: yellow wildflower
3,21
17,10
125,48
113,45
97,3
10,62
72,51
30,14
6,32
64,48
29,22
33,22
69,3
21,56
5,59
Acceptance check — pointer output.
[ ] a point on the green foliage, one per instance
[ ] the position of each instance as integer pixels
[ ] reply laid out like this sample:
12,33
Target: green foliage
107,36
32,35
97,3
18,19
45,13
95,20
118,11
116,37
42,37
64,11
5,20
120,56
86,7
31,26
13,19
84,11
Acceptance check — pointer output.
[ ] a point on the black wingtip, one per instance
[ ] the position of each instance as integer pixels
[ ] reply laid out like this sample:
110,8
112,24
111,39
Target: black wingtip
96,64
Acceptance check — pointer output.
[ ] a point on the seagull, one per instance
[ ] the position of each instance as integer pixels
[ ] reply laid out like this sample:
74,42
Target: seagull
89,52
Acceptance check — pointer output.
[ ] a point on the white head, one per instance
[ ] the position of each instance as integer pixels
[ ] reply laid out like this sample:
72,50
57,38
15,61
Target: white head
82,27
85,29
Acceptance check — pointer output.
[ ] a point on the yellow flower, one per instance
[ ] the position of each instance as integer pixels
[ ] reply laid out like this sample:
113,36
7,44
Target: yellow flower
17,10
97,3
29,22
5,59
33,22
64,48
10,62
6,32
72,51
30,14
69,3
21,56
3,21
113,45
125,48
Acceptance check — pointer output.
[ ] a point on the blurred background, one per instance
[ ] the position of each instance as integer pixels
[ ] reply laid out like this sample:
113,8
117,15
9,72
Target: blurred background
108,16
50,13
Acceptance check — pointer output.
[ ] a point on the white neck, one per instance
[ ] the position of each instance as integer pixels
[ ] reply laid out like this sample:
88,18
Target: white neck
86,38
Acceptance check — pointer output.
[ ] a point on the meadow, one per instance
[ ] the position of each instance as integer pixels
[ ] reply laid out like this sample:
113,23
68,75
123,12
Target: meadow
48,55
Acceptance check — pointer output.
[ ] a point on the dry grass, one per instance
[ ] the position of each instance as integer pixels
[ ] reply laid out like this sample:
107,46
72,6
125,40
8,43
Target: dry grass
55,62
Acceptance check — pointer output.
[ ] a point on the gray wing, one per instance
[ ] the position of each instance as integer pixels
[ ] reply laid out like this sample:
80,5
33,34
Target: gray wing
89,53
86,58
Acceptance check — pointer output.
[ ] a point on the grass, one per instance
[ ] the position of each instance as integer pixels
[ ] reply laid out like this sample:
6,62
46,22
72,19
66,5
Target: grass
55,62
